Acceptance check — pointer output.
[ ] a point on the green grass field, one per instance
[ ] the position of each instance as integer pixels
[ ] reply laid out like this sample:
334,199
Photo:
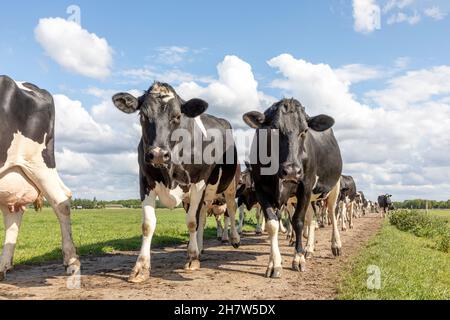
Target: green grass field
97,232
411,268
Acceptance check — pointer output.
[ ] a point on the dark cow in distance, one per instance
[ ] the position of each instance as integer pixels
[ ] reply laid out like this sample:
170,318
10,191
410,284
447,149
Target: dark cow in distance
164,114
27,166
347,198
385,203
310,167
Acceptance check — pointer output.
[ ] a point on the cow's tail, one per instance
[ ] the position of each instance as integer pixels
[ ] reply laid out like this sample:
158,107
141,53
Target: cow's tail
39,202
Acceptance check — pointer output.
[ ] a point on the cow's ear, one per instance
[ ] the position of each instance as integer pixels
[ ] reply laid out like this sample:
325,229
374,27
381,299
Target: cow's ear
320,123
194,107
125,102
254,119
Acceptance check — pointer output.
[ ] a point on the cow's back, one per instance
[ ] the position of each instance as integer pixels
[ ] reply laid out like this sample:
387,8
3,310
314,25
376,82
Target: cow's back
327,160
27,114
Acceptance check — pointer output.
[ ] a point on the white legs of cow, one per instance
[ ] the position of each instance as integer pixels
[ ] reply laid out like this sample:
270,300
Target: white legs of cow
274,269
310,228
12,223
260,221
331,203
141,271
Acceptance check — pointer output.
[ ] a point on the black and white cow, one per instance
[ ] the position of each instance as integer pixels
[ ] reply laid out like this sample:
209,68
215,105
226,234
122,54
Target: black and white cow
27,166
362,205
385,204
309,168
165,119
347,201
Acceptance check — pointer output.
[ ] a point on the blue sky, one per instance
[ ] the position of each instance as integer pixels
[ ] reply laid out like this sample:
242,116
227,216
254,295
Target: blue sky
185,41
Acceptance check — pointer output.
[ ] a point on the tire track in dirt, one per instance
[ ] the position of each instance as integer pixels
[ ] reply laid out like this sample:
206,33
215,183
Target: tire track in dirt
226,273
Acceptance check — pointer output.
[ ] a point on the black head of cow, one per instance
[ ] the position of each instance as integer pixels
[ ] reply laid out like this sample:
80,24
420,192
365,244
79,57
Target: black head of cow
288,116
162,112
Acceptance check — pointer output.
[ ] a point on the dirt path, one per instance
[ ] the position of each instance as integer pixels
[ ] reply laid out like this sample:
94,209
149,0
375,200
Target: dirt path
226,273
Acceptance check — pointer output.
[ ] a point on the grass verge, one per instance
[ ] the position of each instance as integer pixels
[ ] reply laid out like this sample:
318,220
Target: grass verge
410,268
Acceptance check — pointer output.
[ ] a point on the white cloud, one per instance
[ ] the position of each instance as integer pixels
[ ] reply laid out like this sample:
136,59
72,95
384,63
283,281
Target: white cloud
171,55
74,48
367,16
403,17
149,74
354,73
394,146
397,4
234,93
435,13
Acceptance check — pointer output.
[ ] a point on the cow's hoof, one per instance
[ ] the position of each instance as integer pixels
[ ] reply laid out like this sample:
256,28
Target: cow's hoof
351,227
274,273
258,233
336,251
192,265
139,275
73,268
309,255
219,238
236,245
291,243
299,266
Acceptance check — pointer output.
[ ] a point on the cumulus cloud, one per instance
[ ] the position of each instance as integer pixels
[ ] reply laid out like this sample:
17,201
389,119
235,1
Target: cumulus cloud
96,150
394,145
234,93
367,15
435,13
354,73
74,48
403,17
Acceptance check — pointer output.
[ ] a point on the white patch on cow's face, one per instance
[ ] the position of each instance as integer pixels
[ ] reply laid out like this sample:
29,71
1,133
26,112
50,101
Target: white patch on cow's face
21,86
170,198
200,124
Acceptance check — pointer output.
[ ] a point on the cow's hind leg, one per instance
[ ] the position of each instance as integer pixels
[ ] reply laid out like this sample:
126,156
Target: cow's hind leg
141,271
336,246
219,227
201,228
241,218
58,195
230,197
12,223
311,225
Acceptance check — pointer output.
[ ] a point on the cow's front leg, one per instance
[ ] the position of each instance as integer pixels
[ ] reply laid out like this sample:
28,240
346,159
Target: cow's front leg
197,193
12,223
141,271
273,226
298,222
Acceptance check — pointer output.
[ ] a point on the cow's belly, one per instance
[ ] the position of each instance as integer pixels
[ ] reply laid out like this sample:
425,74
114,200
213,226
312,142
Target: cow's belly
16,190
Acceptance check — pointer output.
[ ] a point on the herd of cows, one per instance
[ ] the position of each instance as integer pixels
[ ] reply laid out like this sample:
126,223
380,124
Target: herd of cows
308,187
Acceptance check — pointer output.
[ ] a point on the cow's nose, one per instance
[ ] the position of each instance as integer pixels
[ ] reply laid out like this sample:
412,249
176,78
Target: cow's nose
158,156
291,173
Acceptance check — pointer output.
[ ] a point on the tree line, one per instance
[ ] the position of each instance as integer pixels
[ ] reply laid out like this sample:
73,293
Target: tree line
422,204
100,204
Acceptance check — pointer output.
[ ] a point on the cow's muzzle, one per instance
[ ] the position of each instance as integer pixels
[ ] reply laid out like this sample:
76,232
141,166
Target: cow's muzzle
158,157
291,173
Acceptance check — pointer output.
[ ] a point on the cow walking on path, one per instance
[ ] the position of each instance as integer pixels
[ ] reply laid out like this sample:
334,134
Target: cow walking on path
27,166
309,168
173,167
